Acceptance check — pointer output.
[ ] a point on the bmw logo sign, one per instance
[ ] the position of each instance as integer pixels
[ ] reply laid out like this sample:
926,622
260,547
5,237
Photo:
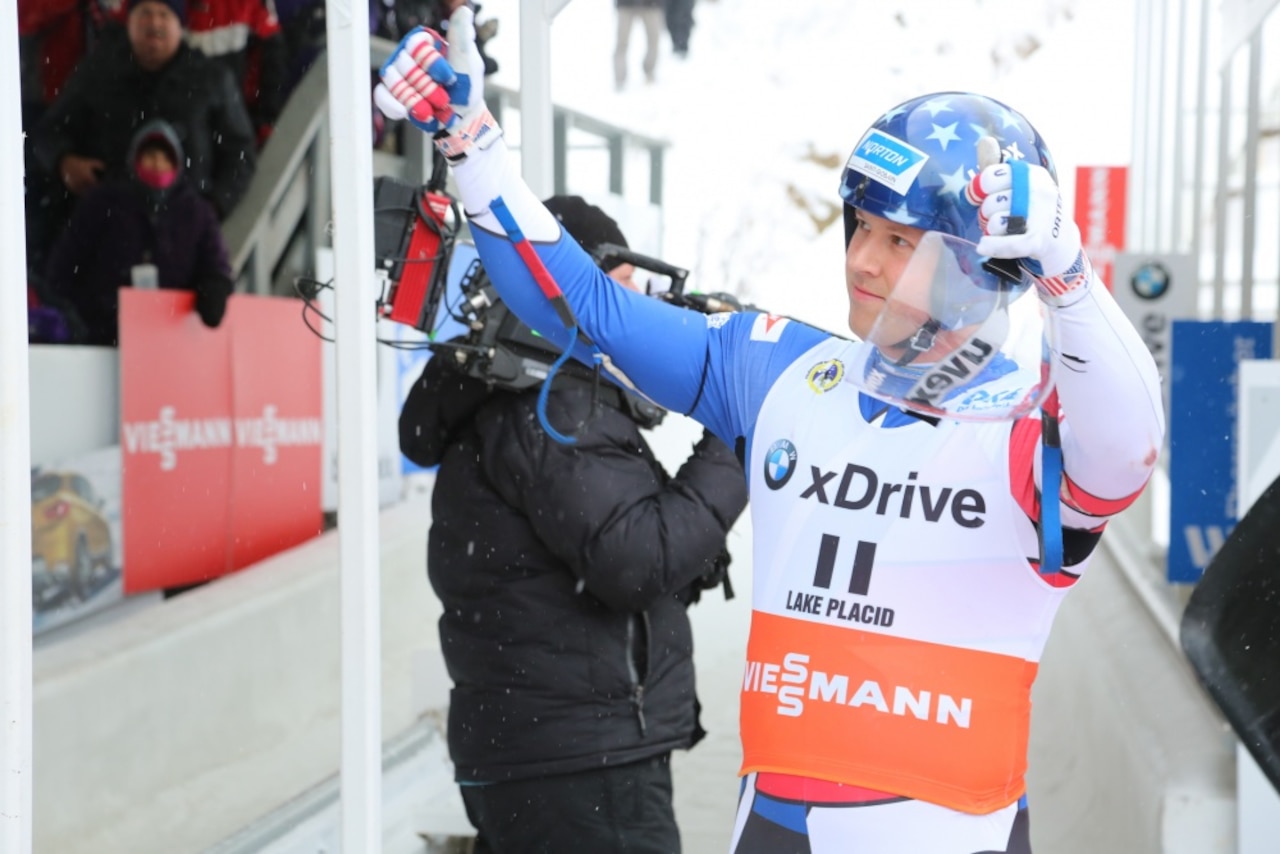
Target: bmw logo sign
779,464
1150,281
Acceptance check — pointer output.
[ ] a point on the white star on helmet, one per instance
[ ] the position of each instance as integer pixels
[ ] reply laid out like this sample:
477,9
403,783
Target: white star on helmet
944,134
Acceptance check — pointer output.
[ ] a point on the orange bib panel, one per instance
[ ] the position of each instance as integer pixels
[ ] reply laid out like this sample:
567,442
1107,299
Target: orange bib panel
927,721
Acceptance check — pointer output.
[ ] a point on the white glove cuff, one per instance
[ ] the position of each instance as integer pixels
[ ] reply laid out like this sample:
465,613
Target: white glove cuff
1069,287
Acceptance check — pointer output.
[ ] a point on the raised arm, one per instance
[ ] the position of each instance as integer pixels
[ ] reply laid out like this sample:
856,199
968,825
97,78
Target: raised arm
683,360
1111,416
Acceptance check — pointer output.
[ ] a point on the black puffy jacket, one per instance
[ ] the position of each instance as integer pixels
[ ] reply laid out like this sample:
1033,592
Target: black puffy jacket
564,572
109,97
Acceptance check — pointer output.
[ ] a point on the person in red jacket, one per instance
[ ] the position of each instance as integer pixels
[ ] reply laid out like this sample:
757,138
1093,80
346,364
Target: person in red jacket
245,36
54,35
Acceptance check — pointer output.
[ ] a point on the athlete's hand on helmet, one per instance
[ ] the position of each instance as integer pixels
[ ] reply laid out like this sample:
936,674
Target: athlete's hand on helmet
1034,230
438,86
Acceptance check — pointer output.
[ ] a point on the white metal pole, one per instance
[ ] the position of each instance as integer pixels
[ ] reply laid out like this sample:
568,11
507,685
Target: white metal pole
536,155
1249,223
535,98
1179,133
1202,112
1157,182
1136,215
15,465
351,169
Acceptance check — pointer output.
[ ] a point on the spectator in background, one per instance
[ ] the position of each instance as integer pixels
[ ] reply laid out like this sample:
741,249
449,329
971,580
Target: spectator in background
679,15
152,223
54,36
245,36
650,14
84,136
565,573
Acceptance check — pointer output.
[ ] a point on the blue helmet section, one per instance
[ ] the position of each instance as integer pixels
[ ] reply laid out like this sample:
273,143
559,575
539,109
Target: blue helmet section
913,164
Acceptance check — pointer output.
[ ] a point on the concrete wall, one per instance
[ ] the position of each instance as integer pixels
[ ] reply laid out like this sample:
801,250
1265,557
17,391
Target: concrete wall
174,725
1127,752
75,400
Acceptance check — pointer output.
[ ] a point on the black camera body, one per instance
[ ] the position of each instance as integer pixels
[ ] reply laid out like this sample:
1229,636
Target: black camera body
503,352
414,243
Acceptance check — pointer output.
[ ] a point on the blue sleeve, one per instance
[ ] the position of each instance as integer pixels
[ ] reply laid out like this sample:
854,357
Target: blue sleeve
715,368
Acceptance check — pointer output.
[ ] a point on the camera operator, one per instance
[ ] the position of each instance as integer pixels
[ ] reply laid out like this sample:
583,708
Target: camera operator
565,572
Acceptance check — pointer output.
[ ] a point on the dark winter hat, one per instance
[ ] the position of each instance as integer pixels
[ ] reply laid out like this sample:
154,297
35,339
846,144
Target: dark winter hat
178,7
156,132
586,223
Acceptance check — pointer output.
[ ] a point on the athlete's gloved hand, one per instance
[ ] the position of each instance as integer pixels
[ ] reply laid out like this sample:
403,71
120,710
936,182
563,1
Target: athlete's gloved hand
1035,230
438,86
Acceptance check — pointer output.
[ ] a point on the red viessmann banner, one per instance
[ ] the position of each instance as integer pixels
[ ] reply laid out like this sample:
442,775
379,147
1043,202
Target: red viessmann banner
220,434
1101,214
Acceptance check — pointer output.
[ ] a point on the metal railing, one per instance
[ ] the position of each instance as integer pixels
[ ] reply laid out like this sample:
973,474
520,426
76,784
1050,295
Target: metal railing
289,198
290,188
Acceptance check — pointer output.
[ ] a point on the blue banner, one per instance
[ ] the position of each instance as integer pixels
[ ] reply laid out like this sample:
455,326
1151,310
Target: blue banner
1203,436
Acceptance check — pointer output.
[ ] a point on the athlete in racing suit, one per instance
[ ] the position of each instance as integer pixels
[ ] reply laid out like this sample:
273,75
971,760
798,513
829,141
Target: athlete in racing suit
899,607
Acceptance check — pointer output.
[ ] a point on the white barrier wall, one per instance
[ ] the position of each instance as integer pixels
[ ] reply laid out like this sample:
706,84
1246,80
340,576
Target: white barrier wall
1128,754
171,727
75,400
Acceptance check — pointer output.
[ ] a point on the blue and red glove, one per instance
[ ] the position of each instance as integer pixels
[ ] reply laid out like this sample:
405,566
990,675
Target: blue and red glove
438,86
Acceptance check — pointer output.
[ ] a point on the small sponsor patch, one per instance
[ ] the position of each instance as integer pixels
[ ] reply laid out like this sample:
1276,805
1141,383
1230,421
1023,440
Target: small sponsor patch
768,327
825,376
888,160
953,373
982,400
715,321
779,464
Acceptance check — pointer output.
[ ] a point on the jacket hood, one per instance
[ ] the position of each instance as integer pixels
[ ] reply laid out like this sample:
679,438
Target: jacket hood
440,403
162,131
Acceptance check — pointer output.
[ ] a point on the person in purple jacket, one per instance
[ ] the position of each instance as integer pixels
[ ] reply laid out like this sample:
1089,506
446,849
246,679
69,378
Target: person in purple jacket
154,218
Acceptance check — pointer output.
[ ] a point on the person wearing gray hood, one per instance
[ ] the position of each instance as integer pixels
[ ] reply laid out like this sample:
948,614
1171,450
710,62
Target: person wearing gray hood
154,218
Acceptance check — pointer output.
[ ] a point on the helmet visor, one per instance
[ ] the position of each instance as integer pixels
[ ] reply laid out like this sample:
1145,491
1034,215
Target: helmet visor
957,339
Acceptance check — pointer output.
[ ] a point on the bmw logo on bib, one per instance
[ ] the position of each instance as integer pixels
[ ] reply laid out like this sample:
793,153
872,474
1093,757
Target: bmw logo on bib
779,464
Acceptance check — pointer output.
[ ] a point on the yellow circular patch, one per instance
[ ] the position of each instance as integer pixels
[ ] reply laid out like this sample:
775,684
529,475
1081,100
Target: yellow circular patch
825,376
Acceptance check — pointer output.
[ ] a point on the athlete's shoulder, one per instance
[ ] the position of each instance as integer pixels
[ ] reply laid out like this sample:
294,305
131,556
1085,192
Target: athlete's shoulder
765,328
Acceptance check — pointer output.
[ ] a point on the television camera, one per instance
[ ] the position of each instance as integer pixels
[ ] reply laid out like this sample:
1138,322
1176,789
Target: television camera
415,233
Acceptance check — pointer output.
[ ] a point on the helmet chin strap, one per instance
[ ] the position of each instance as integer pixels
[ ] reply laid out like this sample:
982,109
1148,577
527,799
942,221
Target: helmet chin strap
918,343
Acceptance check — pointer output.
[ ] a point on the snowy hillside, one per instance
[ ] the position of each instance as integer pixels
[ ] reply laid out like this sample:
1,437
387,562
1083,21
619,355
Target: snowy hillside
774,95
